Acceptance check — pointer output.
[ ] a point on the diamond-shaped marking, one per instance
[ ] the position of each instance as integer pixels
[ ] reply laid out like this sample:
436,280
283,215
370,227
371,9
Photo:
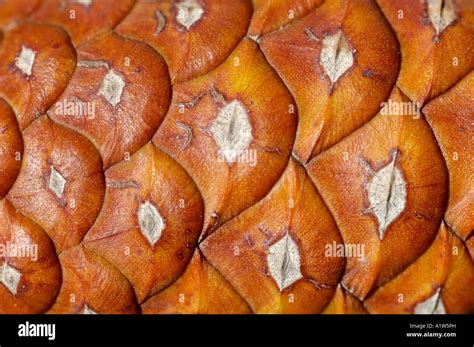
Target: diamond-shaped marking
88,310
189,12
387,194
10,277
112,87
442,13
336,55
151,222
25,60
433,305
56,182
284,262
232,131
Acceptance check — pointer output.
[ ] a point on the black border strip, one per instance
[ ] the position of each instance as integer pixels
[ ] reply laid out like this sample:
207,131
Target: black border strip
253,329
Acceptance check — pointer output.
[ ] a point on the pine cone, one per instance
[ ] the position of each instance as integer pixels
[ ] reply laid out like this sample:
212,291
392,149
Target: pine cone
218,156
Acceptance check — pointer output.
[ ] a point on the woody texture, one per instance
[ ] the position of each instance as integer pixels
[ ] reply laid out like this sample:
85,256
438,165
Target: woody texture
236,156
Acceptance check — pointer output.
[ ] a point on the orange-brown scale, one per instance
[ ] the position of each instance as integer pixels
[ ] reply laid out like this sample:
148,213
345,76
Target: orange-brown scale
241,248
342,174
149,177
40,273
451,116
201,289
128,118
272,15
11,148
65,217
91,284
83,21
431,63
330,110
230,187
189,52
445,267
54,63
